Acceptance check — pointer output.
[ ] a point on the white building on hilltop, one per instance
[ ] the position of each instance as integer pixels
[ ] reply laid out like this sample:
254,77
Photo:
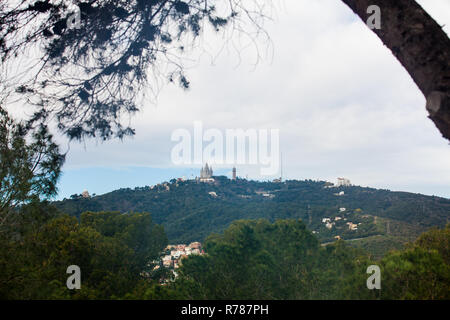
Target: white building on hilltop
206,174
343,182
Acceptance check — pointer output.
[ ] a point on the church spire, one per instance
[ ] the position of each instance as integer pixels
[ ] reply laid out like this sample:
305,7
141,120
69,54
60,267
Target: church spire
206,172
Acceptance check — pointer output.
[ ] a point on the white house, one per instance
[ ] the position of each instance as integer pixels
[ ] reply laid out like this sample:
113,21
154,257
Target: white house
343,182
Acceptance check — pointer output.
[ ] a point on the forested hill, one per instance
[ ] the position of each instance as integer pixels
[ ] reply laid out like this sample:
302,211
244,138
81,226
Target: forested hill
191,210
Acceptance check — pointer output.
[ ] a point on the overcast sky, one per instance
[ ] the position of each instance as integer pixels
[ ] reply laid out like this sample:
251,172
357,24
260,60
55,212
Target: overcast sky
345,107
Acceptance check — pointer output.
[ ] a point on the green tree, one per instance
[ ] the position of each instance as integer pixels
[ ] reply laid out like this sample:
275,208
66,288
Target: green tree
255,259
136,230
34,264
422,271
30,165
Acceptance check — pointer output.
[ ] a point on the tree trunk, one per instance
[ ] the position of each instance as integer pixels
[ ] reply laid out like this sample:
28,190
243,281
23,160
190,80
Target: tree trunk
421,46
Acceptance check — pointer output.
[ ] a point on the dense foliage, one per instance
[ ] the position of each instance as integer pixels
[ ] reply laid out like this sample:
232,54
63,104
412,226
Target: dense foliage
420,272
112,250
189,213
260,260
30,165
30,162
252,259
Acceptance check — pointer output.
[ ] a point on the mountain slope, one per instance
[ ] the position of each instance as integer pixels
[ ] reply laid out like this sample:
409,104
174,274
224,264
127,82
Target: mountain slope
190,211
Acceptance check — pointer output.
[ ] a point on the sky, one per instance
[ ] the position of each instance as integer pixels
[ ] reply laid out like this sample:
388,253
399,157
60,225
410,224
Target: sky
343,105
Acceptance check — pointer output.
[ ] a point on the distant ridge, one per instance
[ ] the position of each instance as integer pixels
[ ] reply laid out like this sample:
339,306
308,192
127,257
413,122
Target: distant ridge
190,210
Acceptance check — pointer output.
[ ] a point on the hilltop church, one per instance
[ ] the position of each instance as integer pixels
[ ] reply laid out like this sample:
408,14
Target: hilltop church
206,174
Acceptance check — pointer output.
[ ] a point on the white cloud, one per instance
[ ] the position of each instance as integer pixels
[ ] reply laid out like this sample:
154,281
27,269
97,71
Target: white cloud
343,103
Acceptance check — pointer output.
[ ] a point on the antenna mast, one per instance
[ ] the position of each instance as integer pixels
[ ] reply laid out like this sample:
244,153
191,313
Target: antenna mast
281,178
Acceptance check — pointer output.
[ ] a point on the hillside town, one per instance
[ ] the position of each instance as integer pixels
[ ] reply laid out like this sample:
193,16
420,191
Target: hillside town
173,255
